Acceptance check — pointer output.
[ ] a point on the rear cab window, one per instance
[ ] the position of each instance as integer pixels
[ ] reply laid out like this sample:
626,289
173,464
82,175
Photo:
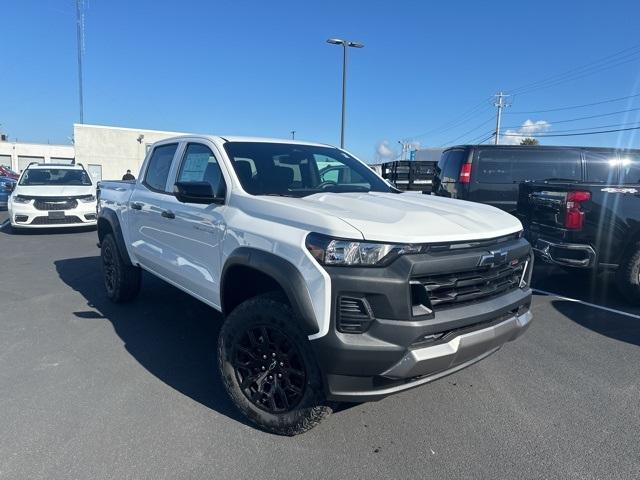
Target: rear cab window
630,168
601,166
158,167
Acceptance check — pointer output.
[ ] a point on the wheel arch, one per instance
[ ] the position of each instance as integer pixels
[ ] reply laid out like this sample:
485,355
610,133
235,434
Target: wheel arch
257,271
108,222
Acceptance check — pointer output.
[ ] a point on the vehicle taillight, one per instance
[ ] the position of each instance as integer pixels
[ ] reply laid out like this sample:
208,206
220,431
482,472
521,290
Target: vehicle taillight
465,173
574,216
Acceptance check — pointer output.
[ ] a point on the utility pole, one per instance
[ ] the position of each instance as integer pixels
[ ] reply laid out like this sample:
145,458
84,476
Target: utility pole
293,134
405,148
80,39
500,104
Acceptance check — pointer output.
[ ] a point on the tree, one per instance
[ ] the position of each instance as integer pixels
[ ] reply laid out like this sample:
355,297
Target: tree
529,141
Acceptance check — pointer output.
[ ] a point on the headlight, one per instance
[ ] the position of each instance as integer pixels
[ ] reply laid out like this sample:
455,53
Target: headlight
20,199
88,199
340,252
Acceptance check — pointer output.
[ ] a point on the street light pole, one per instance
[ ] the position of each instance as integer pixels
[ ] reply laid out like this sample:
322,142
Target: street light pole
345,45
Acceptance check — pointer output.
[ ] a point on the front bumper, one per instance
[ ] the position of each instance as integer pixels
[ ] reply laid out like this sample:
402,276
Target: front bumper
25,215
404,347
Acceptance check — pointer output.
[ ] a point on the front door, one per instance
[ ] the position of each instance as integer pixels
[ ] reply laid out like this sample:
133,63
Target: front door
198,229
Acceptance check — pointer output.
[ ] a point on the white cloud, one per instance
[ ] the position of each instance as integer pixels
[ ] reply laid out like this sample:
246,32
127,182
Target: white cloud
528,128
384,152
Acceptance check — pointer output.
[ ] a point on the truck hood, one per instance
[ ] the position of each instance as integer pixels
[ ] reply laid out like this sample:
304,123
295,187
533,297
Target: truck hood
55,190
409,217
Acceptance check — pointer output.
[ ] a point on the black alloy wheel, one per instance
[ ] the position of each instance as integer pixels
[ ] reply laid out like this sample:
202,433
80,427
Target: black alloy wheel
269,369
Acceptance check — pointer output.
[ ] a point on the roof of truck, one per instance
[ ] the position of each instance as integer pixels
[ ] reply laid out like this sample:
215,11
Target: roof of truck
235,138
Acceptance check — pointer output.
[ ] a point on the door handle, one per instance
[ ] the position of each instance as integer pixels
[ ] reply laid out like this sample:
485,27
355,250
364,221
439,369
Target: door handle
168,214
136,205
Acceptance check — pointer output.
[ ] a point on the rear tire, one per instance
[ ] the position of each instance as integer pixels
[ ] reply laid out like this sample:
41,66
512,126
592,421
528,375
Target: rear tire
121,281
268,368
628,275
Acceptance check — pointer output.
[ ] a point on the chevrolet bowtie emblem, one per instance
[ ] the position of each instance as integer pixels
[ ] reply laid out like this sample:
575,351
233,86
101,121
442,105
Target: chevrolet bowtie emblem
493,259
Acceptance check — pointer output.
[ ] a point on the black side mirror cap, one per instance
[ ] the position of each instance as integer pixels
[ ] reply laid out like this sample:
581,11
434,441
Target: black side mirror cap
198,192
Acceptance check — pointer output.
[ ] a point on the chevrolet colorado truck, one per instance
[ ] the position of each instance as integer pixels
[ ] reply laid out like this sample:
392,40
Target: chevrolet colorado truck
332,290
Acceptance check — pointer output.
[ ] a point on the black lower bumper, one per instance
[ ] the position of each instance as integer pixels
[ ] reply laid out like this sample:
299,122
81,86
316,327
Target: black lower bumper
402,348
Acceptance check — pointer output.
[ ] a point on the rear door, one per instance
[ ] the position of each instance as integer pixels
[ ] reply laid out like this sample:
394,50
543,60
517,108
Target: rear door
149,206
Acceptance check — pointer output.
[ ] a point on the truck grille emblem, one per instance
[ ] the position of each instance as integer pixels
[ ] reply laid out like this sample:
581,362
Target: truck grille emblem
493,259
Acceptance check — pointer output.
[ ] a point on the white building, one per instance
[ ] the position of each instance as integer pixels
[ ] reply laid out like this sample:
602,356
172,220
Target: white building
17,156
106,152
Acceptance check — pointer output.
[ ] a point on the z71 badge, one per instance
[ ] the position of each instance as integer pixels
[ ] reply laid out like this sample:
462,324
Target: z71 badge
619,190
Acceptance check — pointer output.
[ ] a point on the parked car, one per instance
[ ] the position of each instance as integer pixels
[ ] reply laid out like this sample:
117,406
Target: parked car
332,289
7,185
491,173
7,172
51,195
592,224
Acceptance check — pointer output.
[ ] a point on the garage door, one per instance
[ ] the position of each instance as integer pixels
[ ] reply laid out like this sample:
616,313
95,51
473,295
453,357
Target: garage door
5,161
24,161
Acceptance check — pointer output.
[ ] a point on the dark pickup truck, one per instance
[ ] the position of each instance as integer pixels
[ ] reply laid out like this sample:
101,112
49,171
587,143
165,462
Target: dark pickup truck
588,225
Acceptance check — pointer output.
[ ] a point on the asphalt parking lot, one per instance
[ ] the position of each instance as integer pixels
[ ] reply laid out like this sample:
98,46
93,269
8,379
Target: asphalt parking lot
89,389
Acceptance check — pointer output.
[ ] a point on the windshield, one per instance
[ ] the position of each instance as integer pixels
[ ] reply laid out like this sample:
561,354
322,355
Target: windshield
299,170
54,176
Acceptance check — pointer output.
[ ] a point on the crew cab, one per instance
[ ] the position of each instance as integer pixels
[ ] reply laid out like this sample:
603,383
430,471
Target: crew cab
332,288
592,225
53,195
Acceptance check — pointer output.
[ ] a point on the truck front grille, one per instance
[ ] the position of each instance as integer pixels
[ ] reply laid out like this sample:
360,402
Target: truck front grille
55,204
470,286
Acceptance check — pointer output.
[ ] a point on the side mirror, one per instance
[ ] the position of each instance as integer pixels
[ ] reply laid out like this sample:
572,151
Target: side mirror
199,192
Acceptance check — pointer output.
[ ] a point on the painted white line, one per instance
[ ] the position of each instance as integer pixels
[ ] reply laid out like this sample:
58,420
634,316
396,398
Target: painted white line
600,307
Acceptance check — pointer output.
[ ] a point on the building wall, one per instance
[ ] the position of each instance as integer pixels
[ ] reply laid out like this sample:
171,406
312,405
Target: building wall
115,149
17,155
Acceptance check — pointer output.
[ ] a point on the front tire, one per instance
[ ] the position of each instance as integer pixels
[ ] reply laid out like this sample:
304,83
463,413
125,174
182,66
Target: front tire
628,275
121,281
268,368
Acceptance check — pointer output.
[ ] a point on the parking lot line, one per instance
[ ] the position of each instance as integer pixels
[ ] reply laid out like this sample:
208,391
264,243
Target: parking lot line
607,309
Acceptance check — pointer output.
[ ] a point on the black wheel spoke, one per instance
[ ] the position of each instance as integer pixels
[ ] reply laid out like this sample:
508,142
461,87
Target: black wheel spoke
269,368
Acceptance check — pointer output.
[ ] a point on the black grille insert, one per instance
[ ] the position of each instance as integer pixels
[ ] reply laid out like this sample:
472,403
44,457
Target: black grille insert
55,221
55,203
354,315
474,285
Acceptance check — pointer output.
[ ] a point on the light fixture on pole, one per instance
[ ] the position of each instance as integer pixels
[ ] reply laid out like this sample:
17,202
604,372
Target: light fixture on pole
345,45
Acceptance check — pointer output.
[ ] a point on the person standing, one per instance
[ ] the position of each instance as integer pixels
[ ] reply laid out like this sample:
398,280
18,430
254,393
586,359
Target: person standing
128,176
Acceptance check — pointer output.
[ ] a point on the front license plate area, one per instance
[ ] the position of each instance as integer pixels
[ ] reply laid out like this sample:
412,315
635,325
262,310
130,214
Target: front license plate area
56,215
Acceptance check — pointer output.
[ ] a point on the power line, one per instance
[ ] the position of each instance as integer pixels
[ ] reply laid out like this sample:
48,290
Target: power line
490,119
544,135
611,100
555,122
590,68
594,128
461,119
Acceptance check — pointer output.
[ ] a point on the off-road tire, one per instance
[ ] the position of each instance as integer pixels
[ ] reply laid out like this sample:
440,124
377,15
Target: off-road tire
121,281
272,311
628,275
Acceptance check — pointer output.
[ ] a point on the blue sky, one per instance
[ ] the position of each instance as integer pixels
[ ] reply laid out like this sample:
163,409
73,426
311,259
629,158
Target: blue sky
263,68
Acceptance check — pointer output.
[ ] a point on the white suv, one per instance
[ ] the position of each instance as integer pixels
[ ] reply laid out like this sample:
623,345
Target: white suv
52,195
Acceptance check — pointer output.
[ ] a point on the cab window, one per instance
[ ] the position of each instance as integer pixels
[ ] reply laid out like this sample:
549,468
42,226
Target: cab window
199,164
158,167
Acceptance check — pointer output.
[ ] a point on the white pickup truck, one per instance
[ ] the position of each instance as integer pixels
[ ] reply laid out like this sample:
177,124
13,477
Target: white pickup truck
333,285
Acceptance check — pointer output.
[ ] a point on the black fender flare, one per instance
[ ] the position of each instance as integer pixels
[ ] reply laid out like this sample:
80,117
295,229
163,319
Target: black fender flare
111,218
283,272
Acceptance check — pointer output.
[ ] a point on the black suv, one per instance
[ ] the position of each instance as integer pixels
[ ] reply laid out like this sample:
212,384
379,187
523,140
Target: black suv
491,173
